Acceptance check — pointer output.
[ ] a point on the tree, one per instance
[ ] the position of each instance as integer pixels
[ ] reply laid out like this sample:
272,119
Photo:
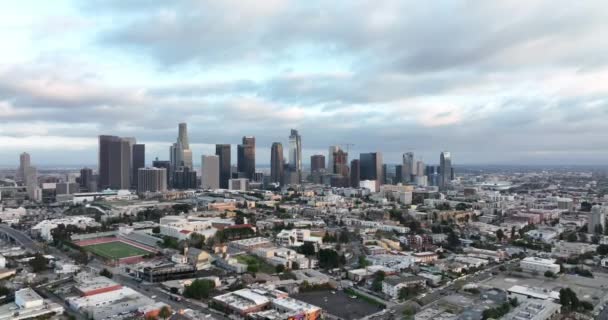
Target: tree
295,265
106,273
512,232
586,206
500,235
328,259
199,289
39,263
308,249
165,312
279,268
599,229
363,262
582,237
568,299
253,268
549,274
602,249
156,229
571,237
461,206
453,239
377,283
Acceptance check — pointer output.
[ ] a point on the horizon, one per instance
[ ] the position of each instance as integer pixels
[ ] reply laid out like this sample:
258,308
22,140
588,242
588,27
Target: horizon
525,91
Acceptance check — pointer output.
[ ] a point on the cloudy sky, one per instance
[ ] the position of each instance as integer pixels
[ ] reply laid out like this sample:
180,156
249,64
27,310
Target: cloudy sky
498,82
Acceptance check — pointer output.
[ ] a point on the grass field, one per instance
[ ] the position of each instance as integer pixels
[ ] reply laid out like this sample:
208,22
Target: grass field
115,250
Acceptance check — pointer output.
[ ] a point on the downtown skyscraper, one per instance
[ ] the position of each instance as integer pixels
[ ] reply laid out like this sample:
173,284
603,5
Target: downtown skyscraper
408,168
180,153
210,172
445,168
295,156
371,167
115,156
223,152
277,163
246,157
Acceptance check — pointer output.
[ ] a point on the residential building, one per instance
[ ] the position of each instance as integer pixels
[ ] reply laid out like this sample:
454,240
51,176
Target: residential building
391,285
151,180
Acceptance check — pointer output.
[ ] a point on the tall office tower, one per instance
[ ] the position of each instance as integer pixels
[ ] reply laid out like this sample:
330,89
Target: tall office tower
163,164
432,174
398,173
114,162
355,173
210,172
181,155
30,179
246,157
420,168
408,168
295,155
445,167
340,164
182,135
151,180
24,162
330,158
597,220
276,163
223,152
184,178
371,167
86,178
317,163
139,161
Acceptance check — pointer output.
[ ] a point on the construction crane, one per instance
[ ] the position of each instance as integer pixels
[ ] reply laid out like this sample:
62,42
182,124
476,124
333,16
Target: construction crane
348,145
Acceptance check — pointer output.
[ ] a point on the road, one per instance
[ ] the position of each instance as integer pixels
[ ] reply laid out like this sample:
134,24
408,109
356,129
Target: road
20,237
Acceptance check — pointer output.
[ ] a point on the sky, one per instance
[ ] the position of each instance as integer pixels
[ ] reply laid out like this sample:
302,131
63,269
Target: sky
494,82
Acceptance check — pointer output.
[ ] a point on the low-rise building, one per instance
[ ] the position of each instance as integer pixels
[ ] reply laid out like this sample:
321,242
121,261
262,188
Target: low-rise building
534,310
539,265
28,305
296,237
391,285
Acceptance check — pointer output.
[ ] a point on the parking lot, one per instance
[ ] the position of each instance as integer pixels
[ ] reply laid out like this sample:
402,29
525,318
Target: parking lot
339,304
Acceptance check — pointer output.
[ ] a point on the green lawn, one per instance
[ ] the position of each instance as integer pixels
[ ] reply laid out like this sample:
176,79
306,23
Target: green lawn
115,250
263,266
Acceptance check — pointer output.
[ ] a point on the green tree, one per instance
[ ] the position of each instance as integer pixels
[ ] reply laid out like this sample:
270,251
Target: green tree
344,238
279,268
156,229
328,259
602,249
308,249
586,206
568,299
500,235
377,283
165,312
39,263
106,273
253,268
199,289
461,206
549,274
363,262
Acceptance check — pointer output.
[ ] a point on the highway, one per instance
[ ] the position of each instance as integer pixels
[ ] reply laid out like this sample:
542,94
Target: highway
20,237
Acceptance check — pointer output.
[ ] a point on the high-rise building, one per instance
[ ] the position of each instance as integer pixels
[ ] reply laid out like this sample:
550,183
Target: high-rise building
330,158
24,162
240,184
181,155
398,173
223,152
246,157
277,163
86,179
317,163
420,168
151,180
31,180
597,220
445,167
371,167
340,164
295,154
433,176
355,173
408,168
210,172
184,178
166,165
66,188
139,161
114,162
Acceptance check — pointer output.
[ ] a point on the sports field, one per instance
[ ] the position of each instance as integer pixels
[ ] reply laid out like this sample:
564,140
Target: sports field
115,250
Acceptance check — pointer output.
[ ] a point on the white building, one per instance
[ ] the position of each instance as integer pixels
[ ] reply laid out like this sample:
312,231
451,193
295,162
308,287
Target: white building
2,262
28,304
597,219
44,228
181,227
296,237
535,310
534,264
391,285
368,184
566,249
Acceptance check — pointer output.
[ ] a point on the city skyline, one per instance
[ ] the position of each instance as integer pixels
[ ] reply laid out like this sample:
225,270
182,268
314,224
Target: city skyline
527,91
